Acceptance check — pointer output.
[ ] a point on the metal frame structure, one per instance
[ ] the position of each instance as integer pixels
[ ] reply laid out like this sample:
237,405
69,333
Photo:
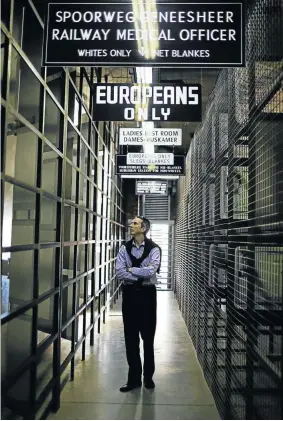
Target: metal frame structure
167,243
63,211
228,253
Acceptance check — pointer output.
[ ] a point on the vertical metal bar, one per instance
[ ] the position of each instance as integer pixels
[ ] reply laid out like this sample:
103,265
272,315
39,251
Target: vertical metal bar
138,200
76,247
5,90
214,280
86,265
115,216
96,146
58,281
107,198
108,213
4,94
251,247
197,277
75,287
106,156
100,232
6,78
141,204
36,262
33,379
101,240
231,251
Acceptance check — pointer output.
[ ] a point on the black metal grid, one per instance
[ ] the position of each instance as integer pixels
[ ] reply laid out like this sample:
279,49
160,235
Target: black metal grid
229,254
62,217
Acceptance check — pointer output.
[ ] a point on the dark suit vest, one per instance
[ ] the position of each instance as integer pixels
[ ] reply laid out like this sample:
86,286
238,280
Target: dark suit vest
148,246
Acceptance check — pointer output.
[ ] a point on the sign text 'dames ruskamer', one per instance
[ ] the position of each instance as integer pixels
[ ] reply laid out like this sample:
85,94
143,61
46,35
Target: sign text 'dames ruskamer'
139,136
134,102
177,169
165,34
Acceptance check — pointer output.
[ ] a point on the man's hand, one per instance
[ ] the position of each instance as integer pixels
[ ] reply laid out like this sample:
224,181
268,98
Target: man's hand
129,270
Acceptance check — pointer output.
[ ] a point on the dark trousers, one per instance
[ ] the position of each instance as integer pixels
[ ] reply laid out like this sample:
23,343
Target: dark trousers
139,317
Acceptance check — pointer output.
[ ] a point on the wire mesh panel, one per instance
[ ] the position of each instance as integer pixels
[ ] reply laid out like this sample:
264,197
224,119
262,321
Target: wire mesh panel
229,228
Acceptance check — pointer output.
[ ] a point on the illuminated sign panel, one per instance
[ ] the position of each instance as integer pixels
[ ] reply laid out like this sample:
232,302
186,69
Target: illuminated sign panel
181,34
146,102
123,168
151,187
159,137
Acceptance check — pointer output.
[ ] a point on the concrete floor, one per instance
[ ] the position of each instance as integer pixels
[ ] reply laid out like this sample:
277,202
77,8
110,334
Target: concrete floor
181,392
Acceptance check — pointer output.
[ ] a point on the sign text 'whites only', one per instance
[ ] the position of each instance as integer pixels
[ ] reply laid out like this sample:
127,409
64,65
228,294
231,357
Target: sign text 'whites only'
185,34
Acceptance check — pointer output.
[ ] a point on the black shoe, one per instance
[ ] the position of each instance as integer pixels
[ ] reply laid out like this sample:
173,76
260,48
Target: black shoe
149,384
129,386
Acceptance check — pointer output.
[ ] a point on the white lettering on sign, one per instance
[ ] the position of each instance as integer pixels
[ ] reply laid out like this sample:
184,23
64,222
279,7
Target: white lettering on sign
147,159
207,35
184,35
209,16
75,34
151,187
166,137
103,53
159,53
145,97
139,94
144,35
80,34
102,33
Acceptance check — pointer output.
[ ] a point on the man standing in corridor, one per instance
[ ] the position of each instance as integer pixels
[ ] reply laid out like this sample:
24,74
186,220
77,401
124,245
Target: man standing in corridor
137,263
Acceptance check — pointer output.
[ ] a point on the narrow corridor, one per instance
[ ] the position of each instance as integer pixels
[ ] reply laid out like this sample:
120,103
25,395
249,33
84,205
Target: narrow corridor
181,391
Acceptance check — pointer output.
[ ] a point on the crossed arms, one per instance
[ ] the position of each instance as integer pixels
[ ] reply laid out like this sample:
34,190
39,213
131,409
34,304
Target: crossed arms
124,271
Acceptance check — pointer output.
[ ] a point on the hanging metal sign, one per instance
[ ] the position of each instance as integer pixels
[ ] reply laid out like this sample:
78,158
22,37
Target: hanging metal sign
150,158
140,136
183,34
146,102
151,187
123,168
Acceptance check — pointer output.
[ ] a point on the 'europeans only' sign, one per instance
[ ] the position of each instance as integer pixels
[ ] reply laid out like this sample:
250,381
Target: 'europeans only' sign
144,102
183,34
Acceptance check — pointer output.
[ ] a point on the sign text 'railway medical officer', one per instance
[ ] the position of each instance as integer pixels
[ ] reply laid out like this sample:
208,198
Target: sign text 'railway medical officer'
132,33
145,102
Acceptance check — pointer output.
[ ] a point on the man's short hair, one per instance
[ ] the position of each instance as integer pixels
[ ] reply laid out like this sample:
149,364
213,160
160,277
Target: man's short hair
145,223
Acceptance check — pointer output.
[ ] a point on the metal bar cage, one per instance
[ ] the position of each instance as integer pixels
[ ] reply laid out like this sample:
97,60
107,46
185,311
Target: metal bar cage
228,245
63,217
